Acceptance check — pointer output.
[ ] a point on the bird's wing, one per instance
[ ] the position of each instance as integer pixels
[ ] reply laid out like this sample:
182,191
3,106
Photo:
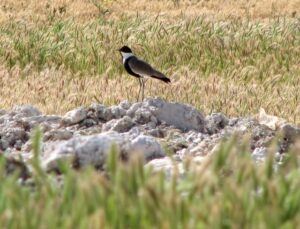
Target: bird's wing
140,67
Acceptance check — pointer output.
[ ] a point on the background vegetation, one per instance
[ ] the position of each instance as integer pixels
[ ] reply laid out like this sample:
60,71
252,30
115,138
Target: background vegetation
231,57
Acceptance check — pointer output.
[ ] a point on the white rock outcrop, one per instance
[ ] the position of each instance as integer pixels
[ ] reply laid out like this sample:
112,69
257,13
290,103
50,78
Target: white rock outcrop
94,149
85,135
179,115
75,116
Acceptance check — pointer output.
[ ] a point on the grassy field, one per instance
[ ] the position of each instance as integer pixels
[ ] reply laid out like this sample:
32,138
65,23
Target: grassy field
228,57
222,56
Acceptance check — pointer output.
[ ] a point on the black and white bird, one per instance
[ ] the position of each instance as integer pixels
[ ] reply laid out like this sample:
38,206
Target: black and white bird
140,69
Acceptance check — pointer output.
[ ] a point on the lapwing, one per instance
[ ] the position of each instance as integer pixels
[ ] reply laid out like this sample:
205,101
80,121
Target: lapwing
140,69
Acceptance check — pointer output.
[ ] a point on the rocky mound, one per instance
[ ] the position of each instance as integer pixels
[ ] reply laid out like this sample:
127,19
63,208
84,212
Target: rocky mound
85,136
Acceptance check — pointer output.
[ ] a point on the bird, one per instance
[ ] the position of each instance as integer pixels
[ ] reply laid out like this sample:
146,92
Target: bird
140,69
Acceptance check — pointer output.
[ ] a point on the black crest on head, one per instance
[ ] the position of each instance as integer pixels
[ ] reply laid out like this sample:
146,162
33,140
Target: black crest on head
125,49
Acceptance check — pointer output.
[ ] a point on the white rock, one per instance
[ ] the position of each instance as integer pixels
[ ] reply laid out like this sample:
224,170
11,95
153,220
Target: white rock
122,125
49,121
179,115
98,107
3,144
2,112
53,160
26,110
148,146
153,119
125,105
101,111
6,119
13,134
106,114
55,135
134,131
259,154
273,122
88,150
109,125
182,153
94,149
191,136
117,112
142,115
75,116
291,133
133,109
43,118
215,122
182,127
168,166
151,125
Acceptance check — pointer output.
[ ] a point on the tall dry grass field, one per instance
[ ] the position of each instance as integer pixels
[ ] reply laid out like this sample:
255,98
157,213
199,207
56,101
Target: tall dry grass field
222,56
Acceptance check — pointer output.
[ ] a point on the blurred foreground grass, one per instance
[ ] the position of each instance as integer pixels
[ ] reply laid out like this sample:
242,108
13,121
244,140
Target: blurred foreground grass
227,190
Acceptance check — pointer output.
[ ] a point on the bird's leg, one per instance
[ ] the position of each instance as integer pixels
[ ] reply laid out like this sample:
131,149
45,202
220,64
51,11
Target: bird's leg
143,87
139,89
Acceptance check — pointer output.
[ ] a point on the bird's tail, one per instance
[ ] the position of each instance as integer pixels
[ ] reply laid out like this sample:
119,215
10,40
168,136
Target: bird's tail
158,75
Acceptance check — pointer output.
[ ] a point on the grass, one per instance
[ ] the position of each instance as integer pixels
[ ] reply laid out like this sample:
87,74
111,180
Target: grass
225,191
225,66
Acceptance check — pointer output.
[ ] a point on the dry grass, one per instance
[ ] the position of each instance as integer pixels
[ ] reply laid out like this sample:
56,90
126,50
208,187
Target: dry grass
60,55
64,91
86,10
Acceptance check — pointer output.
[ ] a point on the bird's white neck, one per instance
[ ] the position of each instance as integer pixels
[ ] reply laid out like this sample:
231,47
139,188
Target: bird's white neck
126,55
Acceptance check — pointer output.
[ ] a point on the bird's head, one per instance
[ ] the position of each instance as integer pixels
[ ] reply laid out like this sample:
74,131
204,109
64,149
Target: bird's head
125,49
125,52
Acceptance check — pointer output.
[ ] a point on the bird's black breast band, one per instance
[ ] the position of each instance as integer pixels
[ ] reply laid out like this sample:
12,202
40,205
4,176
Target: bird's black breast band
128,69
